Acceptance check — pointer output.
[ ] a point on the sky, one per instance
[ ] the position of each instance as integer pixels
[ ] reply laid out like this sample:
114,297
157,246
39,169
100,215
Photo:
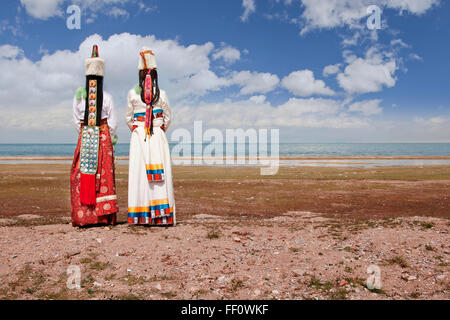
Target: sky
317,70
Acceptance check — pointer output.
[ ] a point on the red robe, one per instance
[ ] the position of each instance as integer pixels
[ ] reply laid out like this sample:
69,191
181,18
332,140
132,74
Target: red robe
105,210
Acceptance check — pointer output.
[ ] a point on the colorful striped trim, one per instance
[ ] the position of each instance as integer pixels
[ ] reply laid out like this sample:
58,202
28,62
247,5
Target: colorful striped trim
155,172
157,213
142,114
160,221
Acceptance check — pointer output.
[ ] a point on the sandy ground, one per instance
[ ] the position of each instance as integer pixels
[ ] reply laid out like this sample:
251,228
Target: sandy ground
307,233
298,255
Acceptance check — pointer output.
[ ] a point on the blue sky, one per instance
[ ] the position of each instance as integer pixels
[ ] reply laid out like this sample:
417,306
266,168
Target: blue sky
311,68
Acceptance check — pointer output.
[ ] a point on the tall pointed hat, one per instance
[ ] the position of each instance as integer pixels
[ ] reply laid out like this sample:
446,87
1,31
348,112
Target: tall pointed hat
94,65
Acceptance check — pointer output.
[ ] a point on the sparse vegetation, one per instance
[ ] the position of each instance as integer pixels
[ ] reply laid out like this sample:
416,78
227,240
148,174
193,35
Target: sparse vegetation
213,234
399,260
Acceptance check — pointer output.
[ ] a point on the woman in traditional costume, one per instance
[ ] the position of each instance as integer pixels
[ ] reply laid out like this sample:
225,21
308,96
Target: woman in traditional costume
92,177
150,189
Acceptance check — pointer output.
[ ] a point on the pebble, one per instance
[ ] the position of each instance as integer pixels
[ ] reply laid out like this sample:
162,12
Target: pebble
275,292
97,284
257,292
99,240
297,272
158,287
343,283
191,289
237,239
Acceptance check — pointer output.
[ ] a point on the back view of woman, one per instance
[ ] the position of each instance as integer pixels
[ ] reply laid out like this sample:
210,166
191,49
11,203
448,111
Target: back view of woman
150,189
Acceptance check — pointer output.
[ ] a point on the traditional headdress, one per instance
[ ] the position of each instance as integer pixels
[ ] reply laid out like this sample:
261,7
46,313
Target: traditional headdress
91,127
94,65
147,59
149,86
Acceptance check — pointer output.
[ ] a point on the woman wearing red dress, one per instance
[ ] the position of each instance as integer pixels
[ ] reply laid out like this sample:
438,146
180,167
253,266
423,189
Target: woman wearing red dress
92,177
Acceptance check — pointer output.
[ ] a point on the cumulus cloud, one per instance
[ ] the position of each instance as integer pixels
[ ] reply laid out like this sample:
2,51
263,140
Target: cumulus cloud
302,83
254,82
369,74
366,107
228,54
42,9
249,8
331,69
184,72
52,80
10,52
258,112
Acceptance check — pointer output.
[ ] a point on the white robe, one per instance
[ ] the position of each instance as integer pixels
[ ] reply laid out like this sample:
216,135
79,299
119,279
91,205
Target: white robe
149,200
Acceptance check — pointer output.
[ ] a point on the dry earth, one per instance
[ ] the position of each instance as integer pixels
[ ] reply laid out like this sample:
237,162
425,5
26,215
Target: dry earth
298,255
307,233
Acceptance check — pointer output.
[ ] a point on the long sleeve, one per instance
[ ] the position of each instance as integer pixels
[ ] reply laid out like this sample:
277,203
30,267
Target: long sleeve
76,117
130,112
165,105
110,113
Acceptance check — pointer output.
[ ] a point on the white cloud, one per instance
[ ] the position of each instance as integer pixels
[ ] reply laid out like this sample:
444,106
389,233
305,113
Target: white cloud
331,69
184,72
254,82
351,41
257,112
10,52
302,83
228,54
400,43
43,9
118,12
415,56
249,8
433,121
326,14
412,6
367,107
369,74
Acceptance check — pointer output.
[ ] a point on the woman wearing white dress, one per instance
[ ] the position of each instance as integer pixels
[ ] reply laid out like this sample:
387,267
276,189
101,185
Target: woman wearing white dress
150,189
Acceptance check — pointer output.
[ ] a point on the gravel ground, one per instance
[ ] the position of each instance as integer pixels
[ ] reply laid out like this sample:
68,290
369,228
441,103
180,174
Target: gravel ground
296,255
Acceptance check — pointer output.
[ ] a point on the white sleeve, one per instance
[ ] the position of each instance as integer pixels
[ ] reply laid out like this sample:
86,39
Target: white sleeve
76,119
129,114
112,120
165,105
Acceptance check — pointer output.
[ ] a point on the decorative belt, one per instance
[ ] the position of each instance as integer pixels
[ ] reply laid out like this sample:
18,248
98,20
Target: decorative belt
157,113
103,124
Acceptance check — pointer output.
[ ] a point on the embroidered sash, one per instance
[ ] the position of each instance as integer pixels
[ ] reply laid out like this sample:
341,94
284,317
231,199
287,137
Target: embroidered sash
90,139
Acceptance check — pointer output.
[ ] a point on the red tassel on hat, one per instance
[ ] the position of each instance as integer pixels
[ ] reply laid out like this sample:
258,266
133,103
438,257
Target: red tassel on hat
87,189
